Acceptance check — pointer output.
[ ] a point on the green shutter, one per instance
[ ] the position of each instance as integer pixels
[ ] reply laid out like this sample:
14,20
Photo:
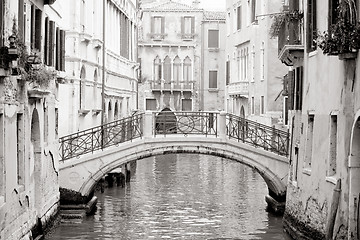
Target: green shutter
51,43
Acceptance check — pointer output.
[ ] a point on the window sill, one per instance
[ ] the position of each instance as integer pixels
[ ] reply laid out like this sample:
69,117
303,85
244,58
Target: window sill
83,112
331,179
307,171
214,49
96,111
213,90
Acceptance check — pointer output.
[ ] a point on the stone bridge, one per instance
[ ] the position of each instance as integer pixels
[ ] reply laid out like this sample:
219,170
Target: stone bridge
87,156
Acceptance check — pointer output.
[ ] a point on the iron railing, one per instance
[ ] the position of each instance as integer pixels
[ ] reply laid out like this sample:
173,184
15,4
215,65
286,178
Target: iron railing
100,137
186,123
258,135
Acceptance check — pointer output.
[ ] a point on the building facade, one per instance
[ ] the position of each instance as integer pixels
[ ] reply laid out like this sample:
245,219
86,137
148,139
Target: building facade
322,93
101,78
31,57
173,44
253,72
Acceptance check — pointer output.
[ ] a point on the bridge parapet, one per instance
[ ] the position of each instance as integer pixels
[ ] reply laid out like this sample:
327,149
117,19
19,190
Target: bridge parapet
151,124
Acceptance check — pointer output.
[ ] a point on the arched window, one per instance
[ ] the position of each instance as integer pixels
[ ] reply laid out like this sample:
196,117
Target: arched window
116,111
95,89
187,70
177,70
82,87
167,69
262,63
157,69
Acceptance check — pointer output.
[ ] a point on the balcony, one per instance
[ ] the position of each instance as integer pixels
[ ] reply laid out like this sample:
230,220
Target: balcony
162,86
239,89
290,44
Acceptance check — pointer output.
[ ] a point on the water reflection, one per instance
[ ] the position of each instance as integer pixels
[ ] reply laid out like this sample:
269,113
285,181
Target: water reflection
182,197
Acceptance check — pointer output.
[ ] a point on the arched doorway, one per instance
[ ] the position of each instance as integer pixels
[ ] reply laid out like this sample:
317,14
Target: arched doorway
354,184
36,155
165,122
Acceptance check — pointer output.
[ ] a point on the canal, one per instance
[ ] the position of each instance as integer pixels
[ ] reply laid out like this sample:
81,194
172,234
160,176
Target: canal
181,197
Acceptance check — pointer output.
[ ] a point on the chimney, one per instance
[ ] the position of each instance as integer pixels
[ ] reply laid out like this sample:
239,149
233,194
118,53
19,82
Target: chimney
195,3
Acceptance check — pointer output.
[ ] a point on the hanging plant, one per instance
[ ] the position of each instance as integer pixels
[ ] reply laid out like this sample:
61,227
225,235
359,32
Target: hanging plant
279,19
344,35
29,65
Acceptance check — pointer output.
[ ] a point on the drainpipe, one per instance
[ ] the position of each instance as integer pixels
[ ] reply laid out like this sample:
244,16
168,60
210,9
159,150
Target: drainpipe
103,77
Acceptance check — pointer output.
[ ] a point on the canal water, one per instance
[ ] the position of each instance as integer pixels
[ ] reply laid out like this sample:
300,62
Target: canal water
181,197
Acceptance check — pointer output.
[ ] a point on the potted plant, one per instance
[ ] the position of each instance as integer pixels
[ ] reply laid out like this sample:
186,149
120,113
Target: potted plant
343,37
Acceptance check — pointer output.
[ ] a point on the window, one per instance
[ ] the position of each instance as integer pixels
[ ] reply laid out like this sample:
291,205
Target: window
95,93
82,88
186,104
298,88
157,25
238,18
213,39
311,26
333,5
262,105
227,72
60,50
253,10
21,18
252,105
157,69
309,141
151,104
20,149
212,79
124,36
187,70
36,16
262,64
167,70
177,70
333,145
187,26
253,63
228,27
82,15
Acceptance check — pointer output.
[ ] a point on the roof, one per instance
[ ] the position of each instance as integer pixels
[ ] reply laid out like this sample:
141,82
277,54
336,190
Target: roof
169,5
212,15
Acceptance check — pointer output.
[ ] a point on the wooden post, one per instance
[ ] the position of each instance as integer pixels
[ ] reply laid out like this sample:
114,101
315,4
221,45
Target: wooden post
333,210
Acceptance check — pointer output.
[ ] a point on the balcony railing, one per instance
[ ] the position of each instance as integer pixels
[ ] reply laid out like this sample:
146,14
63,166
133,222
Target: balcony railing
239,89
290,44
172,86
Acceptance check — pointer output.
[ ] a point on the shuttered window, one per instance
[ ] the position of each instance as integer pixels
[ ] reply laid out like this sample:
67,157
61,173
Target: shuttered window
188,25
21,19
253,10
212,79
311,26
46,42
333,5
213,39
62,50
51,42
238,18
157,25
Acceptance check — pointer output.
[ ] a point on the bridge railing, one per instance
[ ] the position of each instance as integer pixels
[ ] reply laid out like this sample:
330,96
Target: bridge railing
99,137
204,123
258,135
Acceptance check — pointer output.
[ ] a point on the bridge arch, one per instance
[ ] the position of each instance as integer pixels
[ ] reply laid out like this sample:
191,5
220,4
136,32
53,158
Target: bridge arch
93,167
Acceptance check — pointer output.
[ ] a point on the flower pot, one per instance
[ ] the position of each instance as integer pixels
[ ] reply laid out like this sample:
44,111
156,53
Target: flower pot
347,56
